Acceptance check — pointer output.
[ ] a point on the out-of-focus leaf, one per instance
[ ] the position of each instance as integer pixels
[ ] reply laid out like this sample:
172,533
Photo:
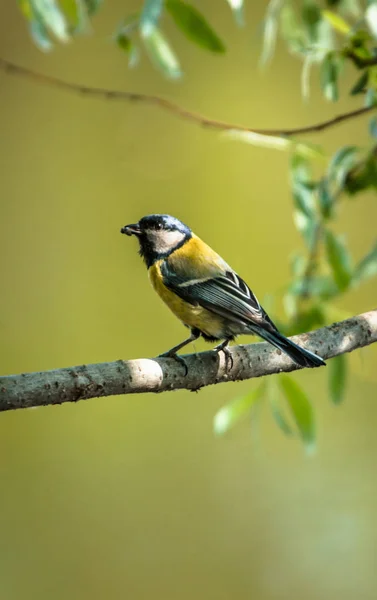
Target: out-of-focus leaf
257,139
305,76
237,8
26,9
350,7
76,13
48,12
367,267
290,303
236,410
301,169
339,260
306,225
330,70
302,410
373,127
270,29
362,176
297,264
150,16
292,30
360,84
304,197
306,320
123,38
325,199
371,18
279,417
370,98
311,17
129,47
342,162
337,378
195,27
162,54
92,6
337,22
320,286
40,35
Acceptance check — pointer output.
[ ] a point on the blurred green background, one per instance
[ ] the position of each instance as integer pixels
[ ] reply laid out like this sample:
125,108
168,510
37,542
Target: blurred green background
133,497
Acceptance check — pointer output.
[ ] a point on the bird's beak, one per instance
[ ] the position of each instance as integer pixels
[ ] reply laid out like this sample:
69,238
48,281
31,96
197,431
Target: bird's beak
131,229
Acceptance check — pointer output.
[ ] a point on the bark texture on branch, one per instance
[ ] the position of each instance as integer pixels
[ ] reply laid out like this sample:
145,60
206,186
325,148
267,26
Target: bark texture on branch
164,374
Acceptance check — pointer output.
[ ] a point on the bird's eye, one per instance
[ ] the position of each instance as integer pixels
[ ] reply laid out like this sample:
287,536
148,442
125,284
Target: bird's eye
158,225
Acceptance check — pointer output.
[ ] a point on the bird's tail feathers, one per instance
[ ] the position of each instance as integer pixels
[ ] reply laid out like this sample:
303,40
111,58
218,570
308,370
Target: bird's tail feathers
299,355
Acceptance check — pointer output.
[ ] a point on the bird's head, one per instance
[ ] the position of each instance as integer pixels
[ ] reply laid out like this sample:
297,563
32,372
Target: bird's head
158,235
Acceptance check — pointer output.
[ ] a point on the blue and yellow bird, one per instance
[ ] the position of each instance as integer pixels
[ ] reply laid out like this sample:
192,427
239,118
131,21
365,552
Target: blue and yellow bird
203,291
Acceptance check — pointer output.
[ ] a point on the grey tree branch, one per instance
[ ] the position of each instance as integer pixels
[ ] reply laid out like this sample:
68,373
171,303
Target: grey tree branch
172,107
163,374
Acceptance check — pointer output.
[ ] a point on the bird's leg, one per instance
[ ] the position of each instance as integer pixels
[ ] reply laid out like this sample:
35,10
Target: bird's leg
172,353
228,355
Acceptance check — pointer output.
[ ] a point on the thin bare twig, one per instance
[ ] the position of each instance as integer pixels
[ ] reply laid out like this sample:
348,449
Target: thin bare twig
172,107
164,374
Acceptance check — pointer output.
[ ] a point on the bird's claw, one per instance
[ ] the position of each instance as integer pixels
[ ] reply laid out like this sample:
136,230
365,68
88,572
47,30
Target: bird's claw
177,358
227,354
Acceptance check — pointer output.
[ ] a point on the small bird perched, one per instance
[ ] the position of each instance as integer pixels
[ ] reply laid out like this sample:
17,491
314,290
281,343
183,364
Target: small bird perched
203,291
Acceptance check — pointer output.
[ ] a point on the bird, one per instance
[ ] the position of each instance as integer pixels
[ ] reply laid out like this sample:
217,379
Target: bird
203,291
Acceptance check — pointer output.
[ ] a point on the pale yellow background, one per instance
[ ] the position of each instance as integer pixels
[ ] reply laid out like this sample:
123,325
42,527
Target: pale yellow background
133,497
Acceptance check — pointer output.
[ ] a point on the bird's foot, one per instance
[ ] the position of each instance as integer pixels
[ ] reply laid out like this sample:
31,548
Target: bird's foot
176,357
227,353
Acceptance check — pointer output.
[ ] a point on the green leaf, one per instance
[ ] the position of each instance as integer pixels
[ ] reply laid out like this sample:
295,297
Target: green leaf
236,410
162,54
360,84
77,15
280,418
237,8
48,13
337,22
320,286
339,260
367,267
370,98
270,30
337,378
124,41
40,35
194,26
341,164
373,127
325,199
302,410
330,69
311,16
292,31
92,6
371,18
304,197
129,47
150,16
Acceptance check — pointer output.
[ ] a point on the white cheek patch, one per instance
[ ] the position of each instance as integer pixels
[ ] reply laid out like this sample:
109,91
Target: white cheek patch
165,241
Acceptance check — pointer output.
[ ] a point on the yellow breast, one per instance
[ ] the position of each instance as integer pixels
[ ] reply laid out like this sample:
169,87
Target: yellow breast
193,316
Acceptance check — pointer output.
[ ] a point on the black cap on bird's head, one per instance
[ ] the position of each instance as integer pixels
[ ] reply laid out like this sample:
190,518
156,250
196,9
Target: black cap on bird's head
158,235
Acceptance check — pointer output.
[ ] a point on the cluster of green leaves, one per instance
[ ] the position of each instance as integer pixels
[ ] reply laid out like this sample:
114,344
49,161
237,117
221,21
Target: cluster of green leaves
320,274
50,19
326,36
63,19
